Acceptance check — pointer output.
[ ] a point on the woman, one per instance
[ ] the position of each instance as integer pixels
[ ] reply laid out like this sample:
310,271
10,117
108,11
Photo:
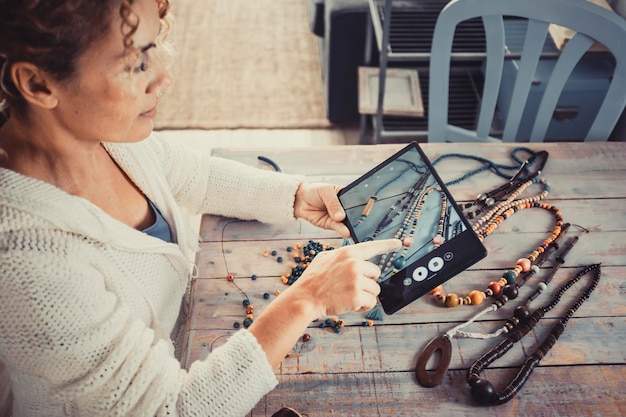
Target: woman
93,270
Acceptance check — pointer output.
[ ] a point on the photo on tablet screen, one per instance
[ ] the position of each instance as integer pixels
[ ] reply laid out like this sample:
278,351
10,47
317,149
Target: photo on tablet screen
404,198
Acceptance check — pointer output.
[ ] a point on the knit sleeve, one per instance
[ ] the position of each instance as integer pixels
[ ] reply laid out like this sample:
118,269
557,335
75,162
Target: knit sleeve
205,184
73,345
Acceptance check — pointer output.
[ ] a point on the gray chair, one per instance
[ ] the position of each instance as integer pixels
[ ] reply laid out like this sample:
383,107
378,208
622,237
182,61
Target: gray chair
591,23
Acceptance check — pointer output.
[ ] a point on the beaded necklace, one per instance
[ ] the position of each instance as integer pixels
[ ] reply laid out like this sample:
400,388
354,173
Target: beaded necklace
488,223
370,204
506,288
395,261
482,390
407,202
443,344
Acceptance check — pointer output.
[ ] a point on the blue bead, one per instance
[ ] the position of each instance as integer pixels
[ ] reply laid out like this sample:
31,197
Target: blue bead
509,276
254,277
274,253
289,248
399,262
247,322
279,259
246,302
236,325
266,296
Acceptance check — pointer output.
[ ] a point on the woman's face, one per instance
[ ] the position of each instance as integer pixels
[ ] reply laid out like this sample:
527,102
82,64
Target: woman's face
114,94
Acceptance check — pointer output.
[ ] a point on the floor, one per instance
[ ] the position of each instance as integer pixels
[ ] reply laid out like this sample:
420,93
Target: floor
206,140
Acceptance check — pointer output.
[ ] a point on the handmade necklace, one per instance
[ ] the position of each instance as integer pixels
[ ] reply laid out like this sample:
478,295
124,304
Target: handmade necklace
487,225
372,200
482,390
443,345
405,203
514,186
498,169
406,233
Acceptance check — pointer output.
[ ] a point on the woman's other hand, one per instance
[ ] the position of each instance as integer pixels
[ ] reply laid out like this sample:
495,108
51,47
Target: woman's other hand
318,204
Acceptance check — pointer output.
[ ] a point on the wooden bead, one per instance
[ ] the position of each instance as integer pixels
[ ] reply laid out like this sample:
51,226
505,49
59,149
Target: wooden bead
452,300
524,263
495,287
477,297
509,276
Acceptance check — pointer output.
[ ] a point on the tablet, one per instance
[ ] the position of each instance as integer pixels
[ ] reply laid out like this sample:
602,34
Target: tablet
404,198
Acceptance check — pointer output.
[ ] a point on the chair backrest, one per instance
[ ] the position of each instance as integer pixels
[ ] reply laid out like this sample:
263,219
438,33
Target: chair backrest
590,22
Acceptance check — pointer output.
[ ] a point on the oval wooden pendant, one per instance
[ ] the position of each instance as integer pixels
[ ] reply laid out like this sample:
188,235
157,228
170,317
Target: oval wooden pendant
433,378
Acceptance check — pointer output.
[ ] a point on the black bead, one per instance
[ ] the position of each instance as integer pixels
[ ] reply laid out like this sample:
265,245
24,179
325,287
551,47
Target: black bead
482,391
521,312
510,291
472,378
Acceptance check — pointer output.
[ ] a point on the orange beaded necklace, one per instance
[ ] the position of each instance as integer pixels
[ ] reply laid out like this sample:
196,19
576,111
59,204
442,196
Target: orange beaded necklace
488,223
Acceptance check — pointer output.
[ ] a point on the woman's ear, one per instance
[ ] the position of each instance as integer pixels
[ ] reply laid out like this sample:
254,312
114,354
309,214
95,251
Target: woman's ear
33,84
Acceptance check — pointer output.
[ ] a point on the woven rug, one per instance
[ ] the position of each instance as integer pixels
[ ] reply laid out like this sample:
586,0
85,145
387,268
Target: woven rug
243,64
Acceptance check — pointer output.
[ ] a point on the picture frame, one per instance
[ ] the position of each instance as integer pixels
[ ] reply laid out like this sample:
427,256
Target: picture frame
403,96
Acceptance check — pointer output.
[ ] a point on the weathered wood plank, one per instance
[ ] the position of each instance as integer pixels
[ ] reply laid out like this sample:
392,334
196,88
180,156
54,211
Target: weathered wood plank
216,260
355,160
218,303
596,174
606,215
572,391
396,348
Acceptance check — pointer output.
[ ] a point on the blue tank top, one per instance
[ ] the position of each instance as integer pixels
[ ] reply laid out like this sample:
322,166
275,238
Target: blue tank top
159,229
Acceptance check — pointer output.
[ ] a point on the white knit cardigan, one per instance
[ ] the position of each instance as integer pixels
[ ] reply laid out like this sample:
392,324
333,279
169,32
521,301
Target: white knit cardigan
90,308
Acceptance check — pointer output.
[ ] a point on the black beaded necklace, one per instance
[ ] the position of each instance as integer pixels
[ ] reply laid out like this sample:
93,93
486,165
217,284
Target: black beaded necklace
443,343
482,390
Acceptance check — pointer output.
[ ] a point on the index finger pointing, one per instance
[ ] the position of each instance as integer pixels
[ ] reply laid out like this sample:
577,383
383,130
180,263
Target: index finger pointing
367,250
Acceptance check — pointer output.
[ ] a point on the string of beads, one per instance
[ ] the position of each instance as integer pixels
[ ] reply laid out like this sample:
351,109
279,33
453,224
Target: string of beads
442,343
482,390
509,276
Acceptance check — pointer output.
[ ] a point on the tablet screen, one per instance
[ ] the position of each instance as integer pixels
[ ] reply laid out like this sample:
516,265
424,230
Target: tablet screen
404,198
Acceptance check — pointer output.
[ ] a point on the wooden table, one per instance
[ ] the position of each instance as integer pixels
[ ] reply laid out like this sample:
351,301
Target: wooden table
369,371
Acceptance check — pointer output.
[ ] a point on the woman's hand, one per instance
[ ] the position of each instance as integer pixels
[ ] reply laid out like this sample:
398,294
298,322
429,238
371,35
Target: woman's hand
342,280
336,281
318,204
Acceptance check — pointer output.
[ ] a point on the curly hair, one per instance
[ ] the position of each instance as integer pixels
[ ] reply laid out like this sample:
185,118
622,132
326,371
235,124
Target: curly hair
52,34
